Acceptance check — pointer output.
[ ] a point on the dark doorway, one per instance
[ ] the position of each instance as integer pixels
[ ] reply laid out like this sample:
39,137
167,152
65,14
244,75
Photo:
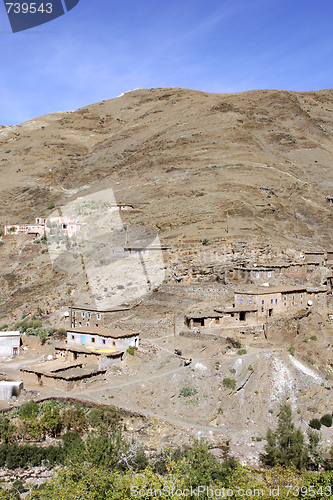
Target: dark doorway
242,316
270,312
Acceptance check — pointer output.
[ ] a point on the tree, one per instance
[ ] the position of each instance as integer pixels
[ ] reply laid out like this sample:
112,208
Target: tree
286,445
6,429
52,421
29,410
315,452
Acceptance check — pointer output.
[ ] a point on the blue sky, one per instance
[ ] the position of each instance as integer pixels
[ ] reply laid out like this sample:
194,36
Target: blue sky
103,48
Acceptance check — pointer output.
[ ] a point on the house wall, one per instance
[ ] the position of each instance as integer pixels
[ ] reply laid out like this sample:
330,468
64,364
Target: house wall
92,318
7,344
319,299
100,342
280,303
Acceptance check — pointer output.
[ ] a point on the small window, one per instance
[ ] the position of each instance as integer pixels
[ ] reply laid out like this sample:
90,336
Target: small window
275,301
73,313
257,275
262,309
262,302
113,343
285,304
98,316
83,315
72,337
301,295
272,301
93,340
269,274
89,315
103,341
241,301
250,301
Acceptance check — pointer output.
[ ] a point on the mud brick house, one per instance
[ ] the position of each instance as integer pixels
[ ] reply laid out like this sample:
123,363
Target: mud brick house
10,343
85,316
87,356
274,300
318,256
223,316
318,297
102,338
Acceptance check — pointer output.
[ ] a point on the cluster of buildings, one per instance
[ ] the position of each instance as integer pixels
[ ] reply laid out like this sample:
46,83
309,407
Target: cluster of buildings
43,226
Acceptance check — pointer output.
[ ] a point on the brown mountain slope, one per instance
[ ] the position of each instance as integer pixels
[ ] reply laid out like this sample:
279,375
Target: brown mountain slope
192,156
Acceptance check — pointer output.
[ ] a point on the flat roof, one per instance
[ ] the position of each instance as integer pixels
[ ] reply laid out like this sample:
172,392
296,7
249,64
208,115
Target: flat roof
84,350
272,289
95,310
10,334
103,332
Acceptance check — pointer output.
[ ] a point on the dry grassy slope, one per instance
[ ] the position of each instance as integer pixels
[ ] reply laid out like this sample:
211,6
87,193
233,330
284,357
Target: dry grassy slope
193,156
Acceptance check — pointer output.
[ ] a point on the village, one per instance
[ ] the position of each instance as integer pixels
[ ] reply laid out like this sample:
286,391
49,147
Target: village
248,302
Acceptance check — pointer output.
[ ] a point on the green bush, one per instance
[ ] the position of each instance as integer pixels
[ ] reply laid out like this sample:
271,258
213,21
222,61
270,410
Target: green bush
62,331
130,351
292,350
229,382
28,410
50,205
241,351
205,241
315,424
4,326
313,337
326,420
188,391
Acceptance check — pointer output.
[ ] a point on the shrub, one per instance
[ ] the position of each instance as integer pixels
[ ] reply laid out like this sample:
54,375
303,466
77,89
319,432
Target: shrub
50,205
313,337
130,351
28,410
205,241
234,342
326,420
62,331
292,350
306,339
315,424
232,370
241,351
229,382
3,327
188,391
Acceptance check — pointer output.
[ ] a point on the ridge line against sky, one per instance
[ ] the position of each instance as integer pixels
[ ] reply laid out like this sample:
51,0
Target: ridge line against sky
99,50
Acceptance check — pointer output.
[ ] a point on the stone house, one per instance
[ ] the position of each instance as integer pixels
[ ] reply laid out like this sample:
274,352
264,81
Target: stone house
273,300
10,343
85,316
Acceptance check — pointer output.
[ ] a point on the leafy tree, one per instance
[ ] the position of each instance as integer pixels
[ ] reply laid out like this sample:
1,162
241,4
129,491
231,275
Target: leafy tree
315,452
51,421
7,429
286,445
74,418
